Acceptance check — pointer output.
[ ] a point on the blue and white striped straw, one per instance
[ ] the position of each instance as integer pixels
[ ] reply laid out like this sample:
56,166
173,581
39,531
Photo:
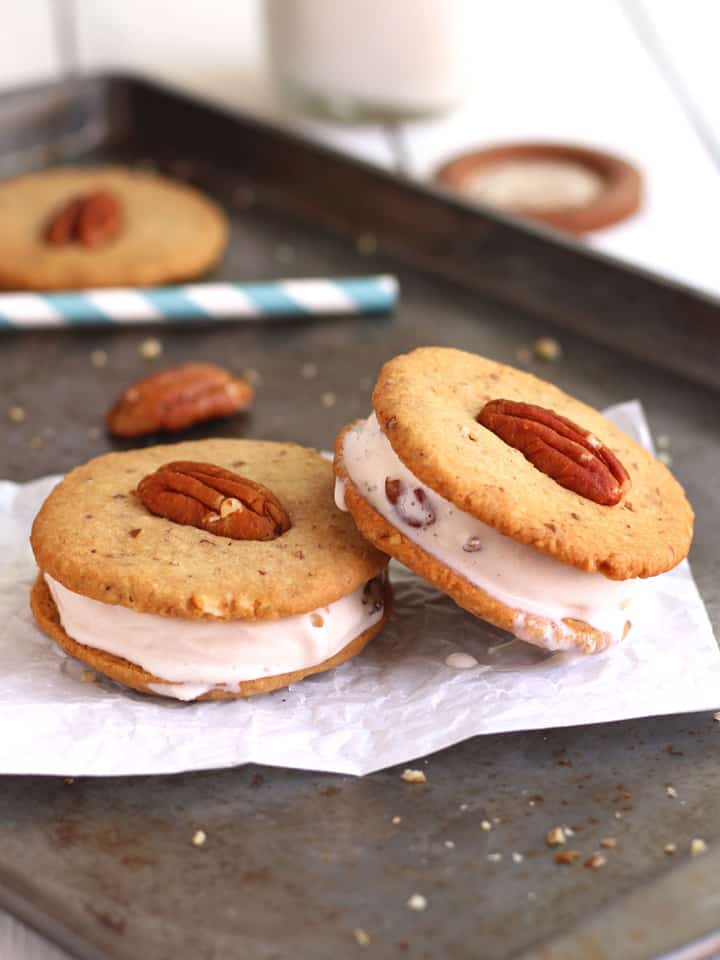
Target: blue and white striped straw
197,303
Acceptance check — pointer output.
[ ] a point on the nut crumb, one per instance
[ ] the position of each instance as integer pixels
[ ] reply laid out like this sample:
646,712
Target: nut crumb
199,838
596,861
396,820
99,358
618,815
566,857
671,791
88,676
416,902
284,253
366,244
555,837
308,371
361,937
669,848
151,349
569,832
450,844
517,857
485,825
414,776
328,399
697,847
608,842
546,348
17,414
494,857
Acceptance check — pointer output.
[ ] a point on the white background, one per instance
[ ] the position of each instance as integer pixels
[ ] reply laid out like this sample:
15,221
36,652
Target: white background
641,77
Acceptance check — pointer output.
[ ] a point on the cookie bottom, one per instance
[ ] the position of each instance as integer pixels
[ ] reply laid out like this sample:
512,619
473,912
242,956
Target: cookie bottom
568,634
133,676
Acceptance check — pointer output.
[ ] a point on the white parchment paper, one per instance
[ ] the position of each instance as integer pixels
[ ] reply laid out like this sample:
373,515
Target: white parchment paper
398,700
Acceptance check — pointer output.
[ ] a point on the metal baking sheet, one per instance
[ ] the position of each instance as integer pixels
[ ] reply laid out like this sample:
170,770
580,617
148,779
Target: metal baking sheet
297,863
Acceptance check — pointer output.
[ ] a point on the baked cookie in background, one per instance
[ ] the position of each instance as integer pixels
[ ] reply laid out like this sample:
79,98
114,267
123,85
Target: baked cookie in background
82,227
526,506
206,570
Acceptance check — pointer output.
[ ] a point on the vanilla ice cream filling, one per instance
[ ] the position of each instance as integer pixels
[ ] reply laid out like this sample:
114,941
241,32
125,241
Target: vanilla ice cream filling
194,656
515,574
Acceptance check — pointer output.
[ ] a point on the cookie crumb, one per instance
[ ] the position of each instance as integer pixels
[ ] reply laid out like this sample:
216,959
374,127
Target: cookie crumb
99,358
416,902
697,847
555,837
361,937
414,776
88,676
366,244
151,349
308,371
450,844
671,791
596,861
17,414
494,857
669,848
618,815
485,825
284,253
608,842
199,838
37,442
517,857
69,780
566,857
396,820
328,399
548,349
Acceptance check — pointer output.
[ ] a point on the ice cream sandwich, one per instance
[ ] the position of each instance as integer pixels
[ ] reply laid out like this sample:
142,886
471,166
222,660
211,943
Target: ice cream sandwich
206,570
526,506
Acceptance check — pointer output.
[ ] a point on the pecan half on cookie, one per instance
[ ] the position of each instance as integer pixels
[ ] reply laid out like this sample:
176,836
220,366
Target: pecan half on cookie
177,398
214,499
569,454
90,219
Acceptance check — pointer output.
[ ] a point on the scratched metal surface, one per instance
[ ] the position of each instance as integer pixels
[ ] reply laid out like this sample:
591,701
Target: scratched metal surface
296,862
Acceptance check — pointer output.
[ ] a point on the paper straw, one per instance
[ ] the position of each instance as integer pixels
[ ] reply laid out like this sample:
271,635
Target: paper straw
198,303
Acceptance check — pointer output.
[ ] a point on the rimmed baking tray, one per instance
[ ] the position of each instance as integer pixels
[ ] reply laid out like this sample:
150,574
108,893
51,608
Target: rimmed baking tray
296,863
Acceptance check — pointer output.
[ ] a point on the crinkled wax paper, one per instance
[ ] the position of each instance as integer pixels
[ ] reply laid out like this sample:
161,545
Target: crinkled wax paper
396,701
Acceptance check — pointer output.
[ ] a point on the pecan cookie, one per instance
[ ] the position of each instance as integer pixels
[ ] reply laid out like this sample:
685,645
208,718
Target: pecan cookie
526,506
83,227
206,570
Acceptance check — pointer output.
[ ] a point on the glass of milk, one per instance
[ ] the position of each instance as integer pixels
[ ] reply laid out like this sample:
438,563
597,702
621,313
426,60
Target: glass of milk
363,60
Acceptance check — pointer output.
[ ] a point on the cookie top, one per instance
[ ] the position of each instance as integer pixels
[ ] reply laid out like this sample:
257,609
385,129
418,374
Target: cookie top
169,231
427,402
94,536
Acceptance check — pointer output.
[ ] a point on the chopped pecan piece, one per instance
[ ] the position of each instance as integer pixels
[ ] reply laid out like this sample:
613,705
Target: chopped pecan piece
177,398
412,505
214,499
562,450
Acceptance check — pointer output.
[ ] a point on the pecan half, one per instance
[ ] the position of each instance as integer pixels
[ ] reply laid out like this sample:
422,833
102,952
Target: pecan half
213,499
90,219
562,450
412,505
177,398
